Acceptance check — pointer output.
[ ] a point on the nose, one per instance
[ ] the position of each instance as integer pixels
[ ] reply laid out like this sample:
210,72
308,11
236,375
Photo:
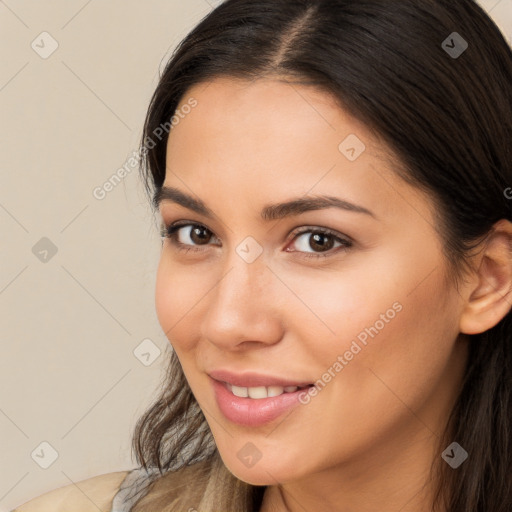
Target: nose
243,308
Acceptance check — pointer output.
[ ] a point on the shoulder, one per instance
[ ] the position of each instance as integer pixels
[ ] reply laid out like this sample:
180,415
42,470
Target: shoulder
179,487
91,495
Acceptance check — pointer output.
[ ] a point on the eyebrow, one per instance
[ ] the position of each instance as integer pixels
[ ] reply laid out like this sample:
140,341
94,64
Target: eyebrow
269,212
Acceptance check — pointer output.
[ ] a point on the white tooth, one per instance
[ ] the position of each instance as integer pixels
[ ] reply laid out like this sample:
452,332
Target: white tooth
258,392
275,390
239,391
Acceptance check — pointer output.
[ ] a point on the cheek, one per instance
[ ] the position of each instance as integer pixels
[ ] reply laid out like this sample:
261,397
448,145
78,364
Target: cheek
395,343
379,313
336,307
177,293
417,344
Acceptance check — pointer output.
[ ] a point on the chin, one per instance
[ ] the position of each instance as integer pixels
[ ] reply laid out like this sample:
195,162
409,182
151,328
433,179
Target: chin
261,473
255,476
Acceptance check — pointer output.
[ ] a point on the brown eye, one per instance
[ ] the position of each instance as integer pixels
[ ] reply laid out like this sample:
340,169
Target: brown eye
200,235
320,242
183,234
187,237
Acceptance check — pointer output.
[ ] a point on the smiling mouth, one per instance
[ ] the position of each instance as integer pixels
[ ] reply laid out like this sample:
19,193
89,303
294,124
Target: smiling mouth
260,392
254,406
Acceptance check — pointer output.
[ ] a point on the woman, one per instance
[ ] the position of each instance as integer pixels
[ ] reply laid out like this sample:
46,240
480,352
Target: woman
334,180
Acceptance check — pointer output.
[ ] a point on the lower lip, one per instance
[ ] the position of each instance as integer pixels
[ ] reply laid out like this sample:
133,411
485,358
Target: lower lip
252,412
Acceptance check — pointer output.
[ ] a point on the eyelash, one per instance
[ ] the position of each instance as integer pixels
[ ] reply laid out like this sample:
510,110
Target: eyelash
170,232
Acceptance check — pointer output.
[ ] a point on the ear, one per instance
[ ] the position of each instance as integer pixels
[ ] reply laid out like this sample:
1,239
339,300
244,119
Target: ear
491,297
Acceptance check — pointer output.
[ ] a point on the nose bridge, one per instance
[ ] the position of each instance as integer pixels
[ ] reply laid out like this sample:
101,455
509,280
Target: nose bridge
241,306
245,272
243,284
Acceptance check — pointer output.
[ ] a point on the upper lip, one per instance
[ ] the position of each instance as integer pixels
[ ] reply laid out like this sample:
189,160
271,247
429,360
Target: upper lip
253,379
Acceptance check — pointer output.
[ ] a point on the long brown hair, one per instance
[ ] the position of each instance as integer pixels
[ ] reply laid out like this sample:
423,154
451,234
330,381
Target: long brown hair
447,117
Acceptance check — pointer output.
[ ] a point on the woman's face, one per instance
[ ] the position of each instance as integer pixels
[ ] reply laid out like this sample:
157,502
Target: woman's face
364,310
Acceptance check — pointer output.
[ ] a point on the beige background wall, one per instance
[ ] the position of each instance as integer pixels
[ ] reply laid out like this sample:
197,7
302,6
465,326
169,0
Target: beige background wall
71,321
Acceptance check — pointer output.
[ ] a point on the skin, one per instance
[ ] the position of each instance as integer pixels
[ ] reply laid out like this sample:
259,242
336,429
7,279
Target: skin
367,440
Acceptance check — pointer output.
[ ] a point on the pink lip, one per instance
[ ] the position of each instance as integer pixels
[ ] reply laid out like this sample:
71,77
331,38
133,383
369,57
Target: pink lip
252,379
252,412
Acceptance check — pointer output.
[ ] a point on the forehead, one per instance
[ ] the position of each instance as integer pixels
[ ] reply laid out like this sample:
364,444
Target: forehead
273,108
265,140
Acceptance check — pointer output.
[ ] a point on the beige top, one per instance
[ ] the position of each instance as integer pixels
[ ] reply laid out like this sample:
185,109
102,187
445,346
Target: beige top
89,495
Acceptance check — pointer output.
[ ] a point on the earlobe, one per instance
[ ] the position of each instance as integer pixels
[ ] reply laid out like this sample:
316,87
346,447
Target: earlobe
491,299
